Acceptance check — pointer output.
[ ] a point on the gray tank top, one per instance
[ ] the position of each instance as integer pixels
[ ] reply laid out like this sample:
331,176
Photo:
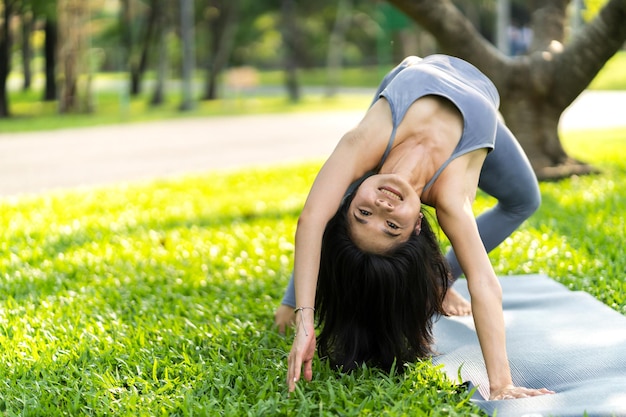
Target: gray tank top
458,81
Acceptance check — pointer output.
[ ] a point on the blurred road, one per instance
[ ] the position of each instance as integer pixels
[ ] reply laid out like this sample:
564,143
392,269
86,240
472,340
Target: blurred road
42,161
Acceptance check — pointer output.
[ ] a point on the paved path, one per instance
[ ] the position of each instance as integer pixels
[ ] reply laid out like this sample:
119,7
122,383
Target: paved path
42,161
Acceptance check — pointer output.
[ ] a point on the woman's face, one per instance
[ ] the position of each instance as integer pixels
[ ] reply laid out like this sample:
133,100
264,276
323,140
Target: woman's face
385,212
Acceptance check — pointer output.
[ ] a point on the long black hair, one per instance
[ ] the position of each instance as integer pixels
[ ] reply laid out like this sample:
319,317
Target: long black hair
378,308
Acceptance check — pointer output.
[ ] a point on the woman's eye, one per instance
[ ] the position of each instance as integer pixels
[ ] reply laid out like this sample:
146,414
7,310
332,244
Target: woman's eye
364,212
392,225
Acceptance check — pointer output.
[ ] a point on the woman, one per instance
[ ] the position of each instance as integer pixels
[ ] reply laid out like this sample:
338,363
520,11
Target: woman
431,136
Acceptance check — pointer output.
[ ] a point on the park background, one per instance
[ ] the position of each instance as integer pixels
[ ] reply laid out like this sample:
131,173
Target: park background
156,297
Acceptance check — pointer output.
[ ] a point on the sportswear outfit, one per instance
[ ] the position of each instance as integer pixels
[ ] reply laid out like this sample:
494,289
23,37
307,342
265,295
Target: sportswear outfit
506,173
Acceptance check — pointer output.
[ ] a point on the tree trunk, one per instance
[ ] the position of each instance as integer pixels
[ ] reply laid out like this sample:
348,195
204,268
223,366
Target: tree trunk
50,47
290,36
138,67
187,35
128,42
534,89
223,29
71,48
162,23
27,50
335,45
5,57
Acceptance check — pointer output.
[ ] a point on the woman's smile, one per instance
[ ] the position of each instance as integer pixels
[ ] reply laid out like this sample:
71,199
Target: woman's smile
391,192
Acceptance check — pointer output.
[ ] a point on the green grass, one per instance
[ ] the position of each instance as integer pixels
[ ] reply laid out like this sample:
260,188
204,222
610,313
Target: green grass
368,77
156,298
576,235
29,114
611,77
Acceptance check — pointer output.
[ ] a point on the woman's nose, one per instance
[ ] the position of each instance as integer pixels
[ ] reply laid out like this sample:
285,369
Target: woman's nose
384,204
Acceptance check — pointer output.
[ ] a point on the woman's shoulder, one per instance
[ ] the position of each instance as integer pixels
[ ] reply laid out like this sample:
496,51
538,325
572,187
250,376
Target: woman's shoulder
369,139
458,182
376,125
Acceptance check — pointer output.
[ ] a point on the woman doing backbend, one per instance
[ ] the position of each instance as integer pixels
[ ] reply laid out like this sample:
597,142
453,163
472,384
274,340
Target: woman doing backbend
366,260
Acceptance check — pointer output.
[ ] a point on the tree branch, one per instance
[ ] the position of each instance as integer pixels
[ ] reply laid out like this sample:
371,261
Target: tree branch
589,50
456,35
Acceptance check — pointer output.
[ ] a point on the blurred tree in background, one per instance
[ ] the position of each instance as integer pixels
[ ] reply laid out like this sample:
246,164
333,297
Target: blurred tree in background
74,91
221,22
5,54
535,88
71,41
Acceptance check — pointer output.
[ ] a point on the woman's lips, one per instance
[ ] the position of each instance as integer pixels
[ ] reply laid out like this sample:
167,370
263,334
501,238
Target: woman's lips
391,192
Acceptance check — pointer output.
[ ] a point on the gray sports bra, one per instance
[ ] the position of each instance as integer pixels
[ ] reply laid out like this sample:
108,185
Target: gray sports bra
458,81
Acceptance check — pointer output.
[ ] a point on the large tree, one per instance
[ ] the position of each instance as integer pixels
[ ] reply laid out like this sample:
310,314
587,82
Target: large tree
27,26
74,90
291,39
138,28
535,89
164,23
188,52
6,12
50,48
221,19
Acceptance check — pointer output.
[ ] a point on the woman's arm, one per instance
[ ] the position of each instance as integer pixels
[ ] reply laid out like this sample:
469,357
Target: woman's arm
456,218
358,151
459,225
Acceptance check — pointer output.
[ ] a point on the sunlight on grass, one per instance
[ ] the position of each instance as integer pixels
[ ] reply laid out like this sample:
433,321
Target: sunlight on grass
157,298
575,236
611,77
29,115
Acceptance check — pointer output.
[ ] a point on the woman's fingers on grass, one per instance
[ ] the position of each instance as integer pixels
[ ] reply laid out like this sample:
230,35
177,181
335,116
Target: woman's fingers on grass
293,375
308,370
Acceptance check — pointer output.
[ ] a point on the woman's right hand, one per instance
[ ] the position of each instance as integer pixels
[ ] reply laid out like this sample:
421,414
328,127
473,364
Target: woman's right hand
302,350
284,318
511,392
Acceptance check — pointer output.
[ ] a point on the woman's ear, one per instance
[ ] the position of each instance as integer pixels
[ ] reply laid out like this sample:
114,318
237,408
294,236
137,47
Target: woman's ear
418,225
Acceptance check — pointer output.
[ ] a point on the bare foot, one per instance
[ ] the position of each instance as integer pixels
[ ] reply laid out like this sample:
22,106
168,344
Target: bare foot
455,305
284,318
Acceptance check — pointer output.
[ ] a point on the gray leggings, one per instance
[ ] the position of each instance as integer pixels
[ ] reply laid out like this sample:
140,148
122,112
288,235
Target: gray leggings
508,177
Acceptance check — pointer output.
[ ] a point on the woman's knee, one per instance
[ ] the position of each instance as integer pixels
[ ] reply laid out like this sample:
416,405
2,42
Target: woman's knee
526,202
536,200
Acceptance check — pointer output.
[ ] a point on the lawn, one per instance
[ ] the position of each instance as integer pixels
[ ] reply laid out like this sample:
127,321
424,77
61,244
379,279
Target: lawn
156,298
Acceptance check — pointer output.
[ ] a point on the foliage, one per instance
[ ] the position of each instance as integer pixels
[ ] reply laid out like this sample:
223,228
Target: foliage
118,43
156,298
114,107
592,8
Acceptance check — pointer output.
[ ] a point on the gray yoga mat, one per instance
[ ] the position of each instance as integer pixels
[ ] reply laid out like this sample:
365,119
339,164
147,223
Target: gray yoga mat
566,341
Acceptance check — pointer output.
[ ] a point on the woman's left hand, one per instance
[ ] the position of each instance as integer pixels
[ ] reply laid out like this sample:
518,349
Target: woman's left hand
511,392
302,352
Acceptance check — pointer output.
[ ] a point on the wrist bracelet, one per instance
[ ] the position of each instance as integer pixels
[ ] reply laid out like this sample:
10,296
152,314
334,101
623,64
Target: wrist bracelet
295,311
